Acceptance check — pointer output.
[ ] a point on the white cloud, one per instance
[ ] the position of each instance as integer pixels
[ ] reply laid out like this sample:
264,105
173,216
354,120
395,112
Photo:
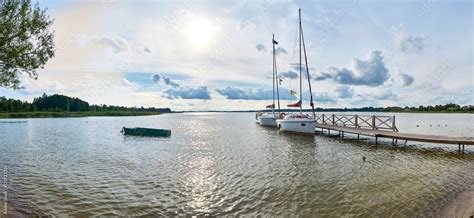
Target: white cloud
369,71
405,79
117,44
200,92
261,48
407,43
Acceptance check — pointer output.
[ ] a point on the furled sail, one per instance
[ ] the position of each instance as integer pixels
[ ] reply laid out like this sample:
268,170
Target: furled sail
297,104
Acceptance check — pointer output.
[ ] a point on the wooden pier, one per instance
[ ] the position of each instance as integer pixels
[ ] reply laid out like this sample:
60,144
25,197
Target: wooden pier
381,127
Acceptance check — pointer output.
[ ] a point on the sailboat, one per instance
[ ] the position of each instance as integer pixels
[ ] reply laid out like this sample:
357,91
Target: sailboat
299,122
270,119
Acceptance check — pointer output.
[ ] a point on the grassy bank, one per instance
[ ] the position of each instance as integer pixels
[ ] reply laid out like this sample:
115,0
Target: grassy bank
75,114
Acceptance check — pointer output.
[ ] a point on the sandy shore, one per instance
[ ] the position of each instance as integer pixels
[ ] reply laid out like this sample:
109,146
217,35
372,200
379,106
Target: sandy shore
462,206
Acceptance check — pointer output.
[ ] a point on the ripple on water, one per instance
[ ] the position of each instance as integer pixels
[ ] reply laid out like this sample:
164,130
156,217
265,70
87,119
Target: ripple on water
218,164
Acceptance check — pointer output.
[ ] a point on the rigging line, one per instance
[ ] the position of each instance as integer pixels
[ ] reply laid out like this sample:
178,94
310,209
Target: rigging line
273,74
301,79
307,74
277,80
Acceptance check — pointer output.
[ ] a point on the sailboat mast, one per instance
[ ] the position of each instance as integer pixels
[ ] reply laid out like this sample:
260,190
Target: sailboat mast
273,75
277,80
301,80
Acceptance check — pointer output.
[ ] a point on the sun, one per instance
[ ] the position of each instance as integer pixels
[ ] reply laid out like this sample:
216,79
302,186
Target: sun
200,32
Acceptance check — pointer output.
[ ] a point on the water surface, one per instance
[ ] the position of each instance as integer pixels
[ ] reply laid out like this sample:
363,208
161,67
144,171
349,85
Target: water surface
225,164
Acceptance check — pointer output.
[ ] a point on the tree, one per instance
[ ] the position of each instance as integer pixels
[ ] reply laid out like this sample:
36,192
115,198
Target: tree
26,43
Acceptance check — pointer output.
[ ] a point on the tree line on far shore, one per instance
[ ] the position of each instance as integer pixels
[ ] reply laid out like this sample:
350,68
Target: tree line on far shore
446,108
60,103
451,107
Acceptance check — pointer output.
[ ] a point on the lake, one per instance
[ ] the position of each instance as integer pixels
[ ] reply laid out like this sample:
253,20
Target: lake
225,164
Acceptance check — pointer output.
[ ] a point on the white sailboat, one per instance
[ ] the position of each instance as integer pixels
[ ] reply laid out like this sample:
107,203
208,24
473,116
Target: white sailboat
270,118
299,122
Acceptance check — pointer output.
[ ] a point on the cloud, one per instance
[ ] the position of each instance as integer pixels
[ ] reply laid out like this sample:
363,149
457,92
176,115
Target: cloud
261,48
157,78
170,83
369,71
245,94
200,92
407,43
290,74
320,76
280,50
117,44
345,92
296,67
381,95
323,98
235,93
405,79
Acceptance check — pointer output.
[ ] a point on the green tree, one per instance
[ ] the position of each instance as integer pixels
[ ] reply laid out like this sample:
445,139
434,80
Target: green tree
26,43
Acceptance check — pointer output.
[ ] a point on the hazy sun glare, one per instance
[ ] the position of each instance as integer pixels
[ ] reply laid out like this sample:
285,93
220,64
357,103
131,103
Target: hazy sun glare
200,32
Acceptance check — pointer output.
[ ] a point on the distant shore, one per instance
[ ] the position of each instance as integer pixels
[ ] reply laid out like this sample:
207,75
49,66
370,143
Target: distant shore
338,111
44,114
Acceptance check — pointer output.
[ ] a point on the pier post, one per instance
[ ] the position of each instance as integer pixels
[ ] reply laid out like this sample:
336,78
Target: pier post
393,123
357,136
356,121
373,122
376,139
333,120
342,134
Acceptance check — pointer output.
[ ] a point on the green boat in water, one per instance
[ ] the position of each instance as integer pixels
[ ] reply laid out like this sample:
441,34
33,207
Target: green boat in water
146,132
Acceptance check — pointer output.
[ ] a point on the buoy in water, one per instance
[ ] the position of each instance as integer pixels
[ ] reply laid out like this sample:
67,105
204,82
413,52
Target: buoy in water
363,158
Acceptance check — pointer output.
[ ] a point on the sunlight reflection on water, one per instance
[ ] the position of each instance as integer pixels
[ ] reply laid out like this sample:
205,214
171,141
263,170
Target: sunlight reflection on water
225,164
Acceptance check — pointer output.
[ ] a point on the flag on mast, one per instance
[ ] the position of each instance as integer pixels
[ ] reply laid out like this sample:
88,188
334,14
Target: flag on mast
293,93
274,42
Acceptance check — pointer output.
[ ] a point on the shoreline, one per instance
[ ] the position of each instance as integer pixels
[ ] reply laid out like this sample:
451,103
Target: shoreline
75,114
335,111
461,206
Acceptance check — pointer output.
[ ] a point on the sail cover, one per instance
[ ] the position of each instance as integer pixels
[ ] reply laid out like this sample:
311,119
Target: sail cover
270,106
297,104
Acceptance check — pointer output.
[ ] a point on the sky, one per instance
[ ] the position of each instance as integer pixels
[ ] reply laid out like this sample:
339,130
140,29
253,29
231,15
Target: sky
217,55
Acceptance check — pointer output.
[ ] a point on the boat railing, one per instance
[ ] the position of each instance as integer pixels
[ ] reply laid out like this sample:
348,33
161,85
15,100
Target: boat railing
375,122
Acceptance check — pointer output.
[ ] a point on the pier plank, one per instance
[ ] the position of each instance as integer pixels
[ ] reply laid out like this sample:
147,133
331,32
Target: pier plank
398,135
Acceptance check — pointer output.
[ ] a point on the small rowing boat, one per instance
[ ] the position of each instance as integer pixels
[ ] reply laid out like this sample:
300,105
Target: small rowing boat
146,132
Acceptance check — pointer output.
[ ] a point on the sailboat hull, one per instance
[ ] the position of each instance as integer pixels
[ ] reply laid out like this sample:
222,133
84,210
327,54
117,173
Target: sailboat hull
268,121
298,126
257,117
